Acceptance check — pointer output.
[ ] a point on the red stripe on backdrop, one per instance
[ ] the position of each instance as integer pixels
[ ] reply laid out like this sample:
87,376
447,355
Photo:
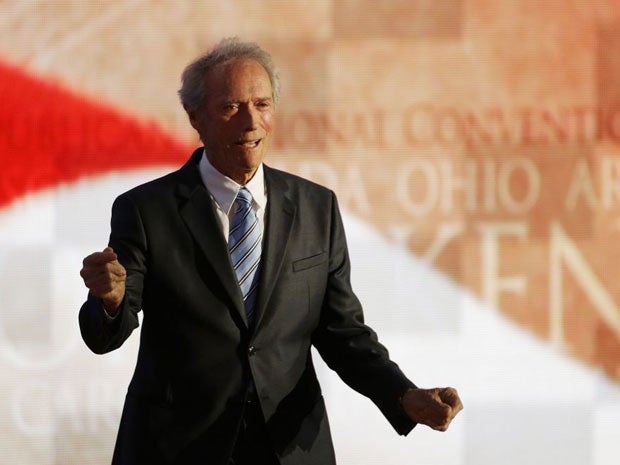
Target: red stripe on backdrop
50,135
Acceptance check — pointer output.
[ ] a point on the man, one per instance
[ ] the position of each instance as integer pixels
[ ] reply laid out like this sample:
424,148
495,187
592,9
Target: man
239,268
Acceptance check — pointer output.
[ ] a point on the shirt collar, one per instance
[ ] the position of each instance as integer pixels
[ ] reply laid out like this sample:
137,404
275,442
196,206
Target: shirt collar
224,190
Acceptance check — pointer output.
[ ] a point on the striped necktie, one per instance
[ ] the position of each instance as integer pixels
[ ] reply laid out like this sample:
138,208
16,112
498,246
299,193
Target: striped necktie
244,246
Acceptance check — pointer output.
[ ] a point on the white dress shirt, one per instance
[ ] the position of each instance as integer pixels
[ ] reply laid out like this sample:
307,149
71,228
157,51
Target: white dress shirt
223,192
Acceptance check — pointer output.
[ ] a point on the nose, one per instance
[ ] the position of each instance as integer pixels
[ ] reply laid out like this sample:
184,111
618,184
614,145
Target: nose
251,117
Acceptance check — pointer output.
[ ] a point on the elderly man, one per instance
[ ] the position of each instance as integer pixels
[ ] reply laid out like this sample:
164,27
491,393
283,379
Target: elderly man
239,269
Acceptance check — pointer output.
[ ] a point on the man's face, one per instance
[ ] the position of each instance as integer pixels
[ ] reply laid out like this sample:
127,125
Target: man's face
236,121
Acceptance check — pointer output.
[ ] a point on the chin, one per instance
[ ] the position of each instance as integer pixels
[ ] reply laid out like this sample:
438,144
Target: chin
251,163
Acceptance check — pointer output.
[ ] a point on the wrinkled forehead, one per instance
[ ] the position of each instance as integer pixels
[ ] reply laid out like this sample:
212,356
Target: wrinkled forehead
238,78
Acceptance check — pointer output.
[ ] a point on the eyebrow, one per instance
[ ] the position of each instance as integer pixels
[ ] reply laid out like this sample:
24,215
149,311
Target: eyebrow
228,101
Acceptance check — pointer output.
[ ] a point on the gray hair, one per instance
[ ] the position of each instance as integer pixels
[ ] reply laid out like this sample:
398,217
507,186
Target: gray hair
192,91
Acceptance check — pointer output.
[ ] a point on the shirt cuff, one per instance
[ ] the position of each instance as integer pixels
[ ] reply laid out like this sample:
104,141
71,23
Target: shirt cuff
107,315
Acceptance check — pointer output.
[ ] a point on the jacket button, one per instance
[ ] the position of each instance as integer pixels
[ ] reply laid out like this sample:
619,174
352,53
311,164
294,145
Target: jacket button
252,350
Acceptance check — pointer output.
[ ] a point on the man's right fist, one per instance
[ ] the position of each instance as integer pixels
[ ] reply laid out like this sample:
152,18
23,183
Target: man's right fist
105,277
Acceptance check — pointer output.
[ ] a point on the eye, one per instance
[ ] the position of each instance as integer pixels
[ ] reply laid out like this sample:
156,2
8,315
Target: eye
230,107
263,104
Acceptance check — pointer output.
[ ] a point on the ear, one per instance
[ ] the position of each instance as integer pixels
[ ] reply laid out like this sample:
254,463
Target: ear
193,117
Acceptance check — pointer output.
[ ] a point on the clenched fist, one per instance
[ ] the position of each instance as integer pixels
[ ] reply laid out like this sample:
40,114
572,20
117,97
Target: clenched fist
432,407
105,277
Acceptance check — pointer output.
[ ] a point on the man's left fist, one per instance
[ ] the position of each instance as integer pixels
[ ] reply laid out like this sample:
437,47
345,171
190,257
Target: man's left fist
432,407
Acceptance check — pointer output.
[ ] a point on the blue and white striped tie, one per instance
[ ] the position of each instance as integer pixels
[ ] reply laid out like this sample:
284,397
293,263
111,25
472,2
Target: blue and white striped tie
244,246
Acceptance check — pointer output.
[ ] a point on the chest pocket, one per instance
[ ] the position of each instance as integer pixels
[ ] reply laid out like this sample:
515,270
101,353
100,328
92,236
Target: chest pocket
309,262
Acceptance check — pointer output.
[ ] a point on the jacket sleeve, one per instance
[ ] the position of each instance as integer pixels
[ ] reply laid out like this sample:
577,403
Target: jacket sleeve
100,332
351,348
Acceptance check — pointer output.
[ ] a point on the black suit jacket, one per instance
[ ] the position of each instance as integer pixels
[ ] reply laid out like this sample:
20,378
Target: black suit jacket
197,354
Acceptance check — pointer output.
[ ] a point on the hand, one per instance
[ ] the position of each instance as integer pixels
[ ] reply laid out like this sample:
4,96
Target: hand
105,277
432,407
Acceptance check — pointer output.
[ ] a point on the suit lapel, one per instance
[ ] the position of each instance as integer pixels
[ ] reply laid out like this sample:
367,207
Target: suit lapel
198,214
279,217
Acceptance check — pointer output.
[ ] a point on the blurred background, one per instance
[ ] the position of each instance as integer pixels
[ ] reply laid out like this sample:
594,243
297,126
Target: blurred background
475,149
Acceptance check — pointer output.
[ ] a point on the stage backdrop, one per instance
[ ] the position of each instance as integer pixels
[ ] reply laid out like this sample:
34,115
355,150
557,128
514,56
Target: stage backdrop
475,149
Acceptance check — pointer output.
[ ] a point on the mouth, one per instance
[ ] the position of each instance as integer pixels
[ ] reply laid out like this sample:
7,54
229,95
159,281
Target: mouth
248,144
